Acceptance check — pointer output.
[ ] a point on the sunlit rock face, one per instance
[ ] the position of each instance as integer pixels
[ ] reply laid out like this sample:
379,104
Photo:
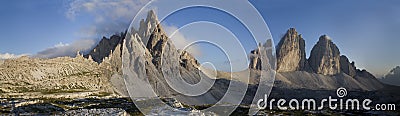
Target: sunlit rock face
291,55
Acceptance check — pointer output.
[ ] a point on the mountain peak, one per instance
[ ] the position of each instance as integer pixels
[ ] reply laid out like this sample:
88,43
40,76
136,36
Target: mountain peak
151,17
325,57
147,27
393,77
395,70
291,55
324,38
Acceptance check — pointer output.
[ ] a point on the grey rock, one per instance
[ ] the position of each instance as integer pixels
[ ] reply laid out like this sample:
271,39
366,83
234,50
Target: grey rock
393,77
255,58
290,52
105,47
147,26
99,112
347,67
325,57
188,61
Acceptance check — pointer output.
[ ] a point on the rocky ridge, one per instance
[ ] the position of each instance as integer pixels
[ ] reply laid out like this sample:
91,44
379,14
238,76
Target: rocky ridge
35,77
324,69
324,59
347,67
105,47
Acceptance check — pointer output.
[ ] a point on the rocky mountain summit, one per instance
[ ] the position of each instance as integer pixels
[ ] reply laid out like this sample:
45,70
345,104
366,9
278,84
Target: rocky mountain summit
324,59
324,69
105,47
290,52
325,56
393,77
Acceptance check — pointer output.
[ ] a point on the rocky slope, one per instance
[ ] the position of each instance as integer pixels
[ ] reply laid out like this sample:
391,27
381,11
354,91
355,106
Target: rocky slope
58,77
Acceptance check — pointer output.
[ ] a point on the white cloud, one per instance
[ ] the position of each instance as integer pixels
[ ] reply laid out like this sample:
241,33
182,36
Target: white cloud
61,49
11,56
180,40
61,45
111,16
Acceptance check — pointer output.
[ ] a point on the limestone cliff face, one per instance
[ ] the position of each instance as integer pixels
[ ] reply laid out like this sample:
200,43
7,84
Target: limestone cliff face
157,46
347,67
290,52
105,47
147,26
256,62
255,58
325,57
188,61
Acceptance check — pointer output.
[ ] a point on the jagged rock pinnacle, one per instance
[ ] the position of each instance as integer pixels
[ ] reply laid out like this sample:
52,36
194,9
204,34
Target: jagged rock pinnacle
325,57
291,54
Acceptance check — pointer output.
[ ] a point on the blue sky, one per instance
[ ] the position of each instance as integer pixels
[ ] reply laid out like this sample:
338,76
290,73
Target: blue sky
364,30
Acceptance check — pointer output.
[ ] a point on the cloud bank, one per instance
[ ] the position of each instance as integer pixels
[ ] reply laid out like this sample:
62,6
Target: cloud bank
11,56
110,16
181,41
61,49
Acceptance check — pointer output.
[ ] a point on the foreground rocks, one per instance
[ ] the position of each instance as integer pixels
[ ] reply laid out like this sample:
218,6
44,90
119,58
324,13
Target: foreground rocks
34,77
